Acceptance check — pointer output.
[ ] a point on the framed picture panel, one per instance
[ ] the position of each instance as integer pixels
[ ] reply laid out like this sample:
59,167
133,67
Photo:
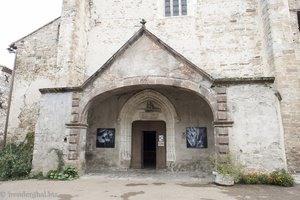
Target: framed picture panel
105,138
196,137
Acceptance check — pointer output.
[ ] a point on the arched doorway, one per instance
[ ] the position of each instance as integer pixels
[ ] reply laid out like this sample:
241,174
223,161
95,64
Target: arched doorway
147,105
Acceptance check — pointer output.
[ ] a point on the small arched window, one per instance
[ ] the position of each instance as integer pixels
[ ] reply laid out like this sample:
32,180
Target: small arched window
175,7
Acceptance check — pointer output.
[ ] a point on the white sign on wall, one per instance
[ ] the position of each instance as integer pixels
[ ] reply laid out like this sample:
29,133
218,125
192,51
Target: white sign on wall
161,141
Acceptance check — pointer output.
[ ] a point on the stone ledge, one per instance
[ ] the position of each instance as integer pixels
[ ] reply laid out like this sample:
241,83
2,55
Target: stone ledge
58,90
216,82
223,123
76,125
242,80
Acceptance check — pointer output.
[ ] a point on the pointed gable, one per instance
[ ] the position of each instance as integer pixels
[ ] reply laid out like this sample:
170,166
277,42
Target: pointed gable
144,54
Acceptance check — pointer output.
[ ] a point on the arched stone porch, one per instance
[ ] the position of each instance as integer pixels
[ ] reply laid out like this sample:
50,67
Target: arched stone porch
216,99
84,100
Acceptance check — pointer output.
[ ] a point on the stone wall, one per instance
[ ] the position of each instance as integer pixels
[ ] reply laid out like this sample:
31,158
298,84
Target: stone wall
50,133
223,42
285,47
256,139
291,98
35,68
5,79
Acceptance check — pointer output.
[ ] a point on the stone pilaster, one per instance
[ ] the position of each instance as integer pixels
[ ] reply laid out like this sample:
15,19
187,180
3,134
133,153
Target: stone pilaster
223,123
76,135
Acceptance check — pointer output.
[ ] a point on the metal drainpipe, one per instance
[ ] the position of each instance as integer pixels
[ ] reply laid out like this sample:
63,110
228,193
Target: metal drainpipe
12,49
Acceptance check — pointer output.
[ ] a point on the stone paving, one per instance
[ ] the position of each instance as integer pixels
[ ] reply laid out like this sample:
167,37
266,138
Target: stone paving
141,185
153,174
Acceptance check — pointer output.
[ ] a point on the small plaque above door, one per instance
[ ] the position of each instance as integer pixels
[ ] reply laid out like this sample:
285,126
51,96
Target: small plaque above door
161,143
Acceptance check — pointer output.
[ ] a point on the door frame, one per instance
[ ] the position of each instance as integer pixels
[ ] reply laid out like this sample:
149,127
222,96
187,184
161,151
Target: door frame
138,128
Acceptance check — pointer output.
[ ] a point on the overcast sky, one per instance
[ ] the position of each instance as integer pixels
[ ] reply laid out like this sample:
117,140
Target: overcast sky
21,17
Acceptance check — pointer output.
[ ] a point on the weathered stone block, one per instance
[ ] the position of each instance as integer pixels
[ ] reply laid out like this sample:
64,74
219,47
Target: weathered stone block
74,132
222,131
75,118
221,98
222,115
75,103
74,110
76,95
72,147
72,156
222,106
222,140
73,140
223,148
221,90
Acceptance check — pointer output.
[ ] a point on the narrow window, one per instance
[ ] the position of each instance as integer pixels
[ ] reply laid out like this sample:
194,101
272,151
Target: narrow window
298,14
183,7
167,8
175,7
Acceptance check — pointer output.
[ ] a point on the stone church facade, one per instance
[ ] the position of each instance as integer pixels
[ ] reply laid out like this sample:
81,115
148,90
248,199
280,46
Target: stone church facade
193,78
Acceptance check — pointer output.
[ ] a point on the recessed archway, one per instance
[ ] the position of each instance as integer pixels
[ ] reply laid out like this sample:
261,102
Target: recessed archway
179,108
206,93
132,111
